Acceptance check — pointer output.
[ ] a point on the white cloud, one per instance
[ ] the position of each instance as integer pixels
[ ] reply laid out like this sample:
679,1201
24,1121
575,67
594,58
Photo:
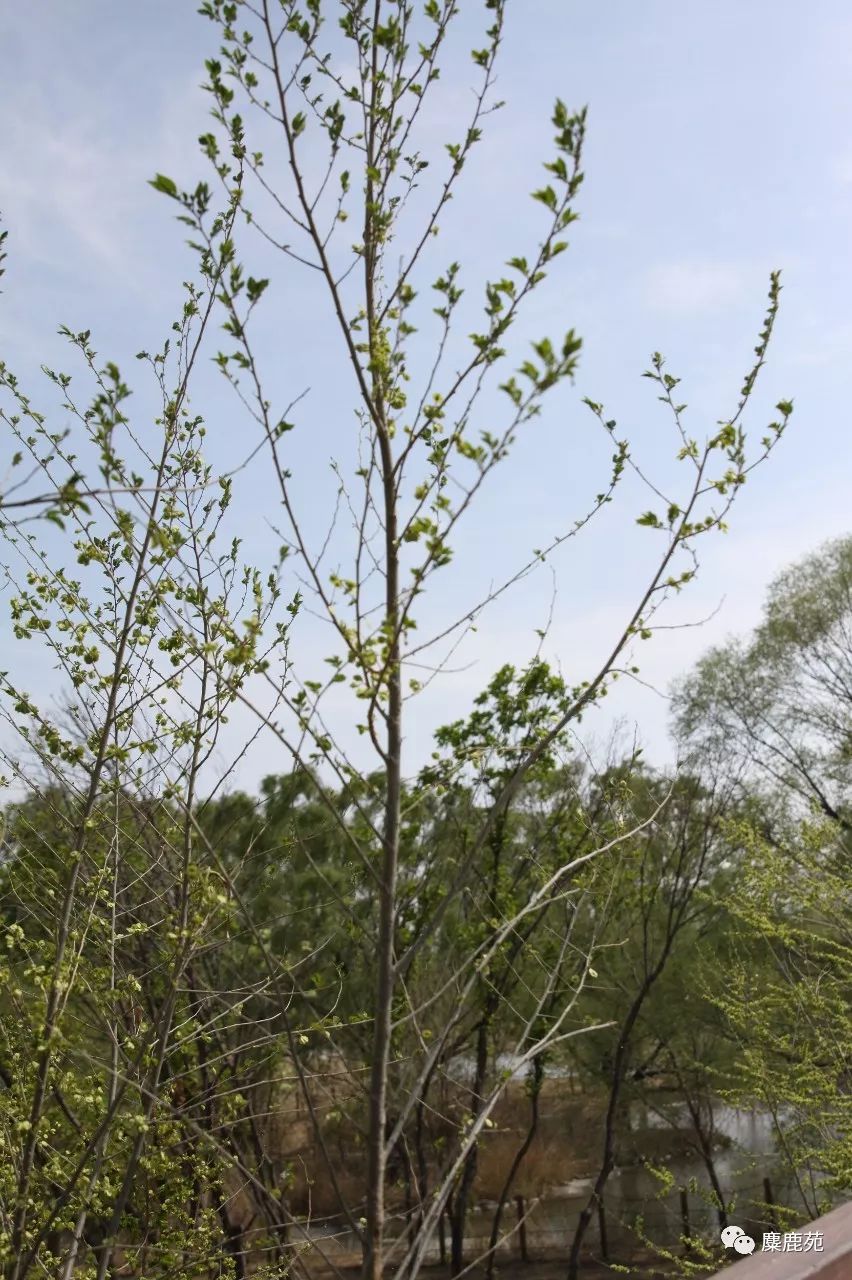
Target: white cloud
828,348
73,184
689,287
842,168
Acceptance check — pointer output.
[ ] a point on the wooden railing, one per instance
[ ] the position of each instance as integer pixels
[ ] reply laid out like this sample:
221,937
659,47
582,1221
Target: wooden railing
832,1262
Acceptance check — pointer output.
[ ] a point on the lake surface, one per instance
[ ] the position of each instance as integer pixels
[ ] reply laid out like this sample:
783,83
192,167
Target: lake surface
634,1191
742,1162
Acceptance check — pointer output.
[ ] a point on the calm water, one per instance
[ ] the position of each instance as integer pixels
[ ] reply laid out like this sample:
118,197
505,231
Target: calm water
634,1191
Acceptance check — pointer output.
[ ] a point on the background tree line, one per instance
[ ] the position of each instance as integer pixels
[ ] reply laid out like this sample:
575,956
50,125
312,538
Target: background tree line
696,952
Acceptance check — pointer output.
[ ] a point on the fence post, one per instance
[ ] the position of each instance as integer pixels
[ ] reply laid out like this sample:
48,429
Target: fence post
770,1201
602,1230
522,1228
684,1217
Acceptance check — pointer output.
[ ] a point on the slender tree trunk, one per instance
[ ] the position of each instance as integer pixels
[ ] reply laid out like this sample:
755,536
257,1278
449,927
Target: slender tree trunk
607,1164
234,1238
705,1146
458,1219
420,1152
386,960
386,965
536,1078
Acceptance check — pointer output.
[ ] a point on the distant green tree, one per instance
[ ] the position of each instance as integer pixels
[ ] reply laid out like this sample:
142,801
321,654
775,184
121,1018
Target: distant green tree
791,1014
775,712
780,702
655,906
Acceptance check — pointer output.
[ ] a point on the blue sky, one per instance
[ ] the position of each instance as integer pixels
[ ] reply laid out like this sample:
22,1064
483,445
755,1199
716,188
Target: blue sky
719,147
